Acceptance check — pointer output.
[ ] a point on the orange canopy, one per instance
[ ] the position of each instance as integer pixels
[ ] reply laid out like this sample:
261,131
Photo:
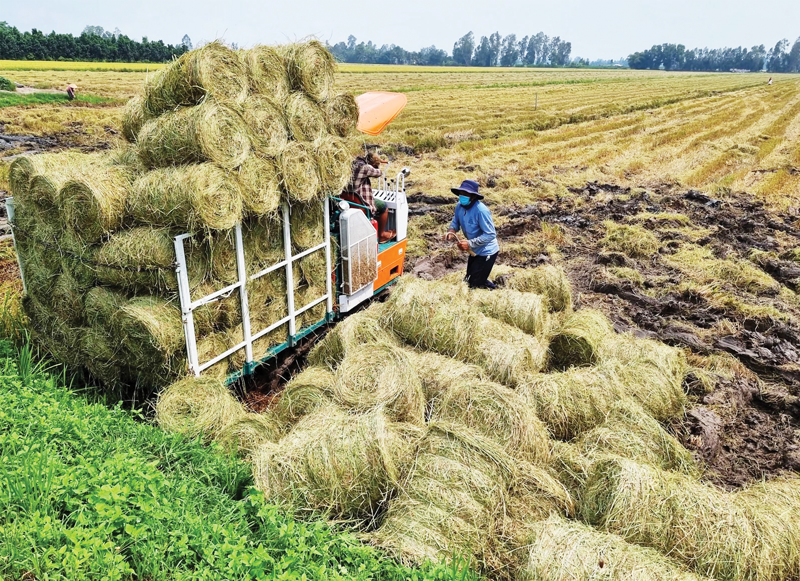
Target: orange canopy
377,109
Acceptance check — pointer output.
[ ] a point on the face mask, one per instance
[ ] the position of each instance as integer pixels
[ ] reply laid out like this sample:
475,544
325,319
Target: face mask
464,200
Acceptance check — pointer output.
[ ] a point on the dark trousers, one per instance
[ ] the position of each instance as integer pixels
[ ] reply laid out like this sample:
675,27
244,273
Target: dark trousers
478,270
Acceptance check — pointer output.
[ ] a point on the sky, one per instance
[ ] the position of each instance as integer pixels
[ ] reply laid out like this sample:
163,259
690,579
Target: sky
597,29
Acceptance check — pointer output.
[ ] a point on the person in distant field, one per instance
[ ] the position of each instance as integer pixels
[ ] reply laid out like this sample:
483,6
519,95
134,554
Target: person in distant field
359,190
473,218
770,81
71,92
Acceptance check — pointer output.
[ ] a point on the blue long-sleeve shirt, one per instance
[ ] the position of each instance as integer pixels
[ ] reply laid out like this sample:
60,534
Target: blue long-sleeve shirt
478,228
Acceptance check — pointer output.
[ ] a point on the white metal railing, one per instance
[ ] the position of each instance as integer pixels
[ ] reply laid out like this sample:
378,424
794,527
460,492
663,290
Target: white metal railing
188,306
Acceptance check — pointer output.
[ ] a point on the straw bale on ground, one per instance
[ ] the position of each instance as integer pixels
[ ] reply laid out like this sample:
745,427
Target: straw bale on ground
306,392
696,524
189,197
344,465
426,315
380,375
448,503
249,432
562,550
499,414
526,311
213,70
197,407
439,374
210,131
547,280
579,339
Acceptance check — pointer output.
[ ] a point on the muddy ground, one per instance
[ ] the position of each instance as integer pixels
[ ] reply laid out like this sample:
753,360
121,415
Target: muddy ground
748,427
12,146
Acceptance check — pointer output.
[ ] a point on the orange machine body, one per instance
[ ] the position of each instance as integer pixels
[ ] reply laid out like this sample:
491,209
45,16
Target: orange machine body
391,259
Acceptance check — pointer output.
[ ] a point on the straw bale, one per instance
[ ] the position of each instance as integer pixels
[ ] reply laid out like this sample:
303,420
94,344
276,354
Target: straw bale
207,349
299,173
579,339
40,272
498,413
571,467
428,316
630,432
773,508
342,464
305,393
379,375
261,346
105,360
333,161
248,433
189,197
439,374
143,259
100,304
266,120
150,329
562,550
93,200
213,70
134,116
348,335
574,401
77,258
263,247
198,407
261,186
20,172
309,68
266,71
305,119
526,311
696,524
208,132
63,341
448,502
341,114
307,223
66,299
546,280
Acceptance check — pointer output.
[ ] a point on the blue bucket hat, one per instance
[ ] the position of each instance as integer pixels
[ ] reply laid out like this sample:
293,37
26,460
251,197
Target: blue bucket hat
469,187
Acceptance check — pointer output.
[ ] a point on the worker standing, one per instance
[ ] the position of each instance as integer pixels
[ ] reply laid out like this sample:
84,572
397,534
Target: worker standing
473,218
359,190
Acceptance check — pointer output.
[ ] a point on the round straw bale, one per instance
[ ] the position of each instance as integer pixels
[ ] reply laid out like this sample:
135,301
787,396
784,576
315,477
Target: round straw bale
305,393
266,71
579,339
189,197
261,186
213,70
40,274
208,132
78,259
773,507
134,116
439,374
307,222
197,407
93,200
150,329
341,114
266,120
66,299
20,172
573,401
348,335
304,118
248,433
630,432
263,247
562,550
498,413
143,259
105,356
297,168
546,280
261,346
63,341
346,465
207,349
309,68
51,172
571,467
379,375
100,304
696,524
526,311
333,161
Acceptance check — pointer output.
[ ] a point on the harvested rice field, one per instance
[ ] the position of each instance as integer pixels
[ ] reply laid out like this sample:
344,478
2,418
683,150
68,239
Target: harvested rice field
625,406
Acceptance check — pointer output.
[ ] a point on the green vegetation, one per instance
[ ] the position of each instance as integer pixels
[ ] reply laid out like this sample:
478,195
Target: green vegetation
88,492
15,100
6,85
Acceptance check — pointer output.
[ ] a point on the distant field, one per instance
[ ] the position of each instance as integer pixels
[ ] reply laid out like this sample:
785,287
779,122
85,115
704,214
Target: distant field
7,65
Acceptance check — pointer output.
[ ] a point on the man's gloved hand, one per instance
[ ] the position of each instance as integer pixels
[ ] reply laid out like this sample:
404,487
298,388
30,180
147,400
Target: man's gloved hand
463,245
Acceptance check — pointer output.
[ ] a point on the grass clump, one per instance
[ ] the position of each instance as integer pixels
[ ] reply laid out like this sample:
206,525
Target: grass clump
579,339
547,280
198,407
306,392
701,264
633,240
6,85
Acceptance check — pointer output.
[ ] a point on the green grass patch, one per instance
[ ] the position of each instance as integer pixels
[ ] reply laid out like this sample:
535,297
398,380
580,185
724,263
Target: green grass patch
6,85
92,492
16,100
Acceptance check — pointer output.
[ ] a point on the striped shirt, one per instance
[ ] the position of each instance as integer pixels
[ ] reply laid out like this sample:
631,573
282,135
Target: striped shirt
360,184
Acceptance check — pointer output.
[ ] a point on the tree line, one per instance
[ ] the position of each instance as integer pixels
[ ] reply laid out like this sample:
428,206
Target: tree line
494,50
675,57
94,44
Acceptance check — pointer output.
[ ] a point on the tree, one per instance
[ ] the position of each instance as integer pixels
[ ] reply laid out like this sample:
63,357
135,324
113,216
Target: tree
510,51
494,46
483,54
186,42
778,59
463,49
522,47
793,59
94,30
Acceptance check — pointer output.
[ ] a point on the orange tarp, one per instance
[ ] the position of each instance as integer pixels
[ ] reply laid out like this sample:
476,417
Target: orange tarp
377,109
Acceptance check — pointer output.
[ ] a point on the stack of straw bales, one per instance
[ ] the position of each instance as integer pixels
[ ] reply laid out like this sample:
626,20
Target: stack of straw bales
217,138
